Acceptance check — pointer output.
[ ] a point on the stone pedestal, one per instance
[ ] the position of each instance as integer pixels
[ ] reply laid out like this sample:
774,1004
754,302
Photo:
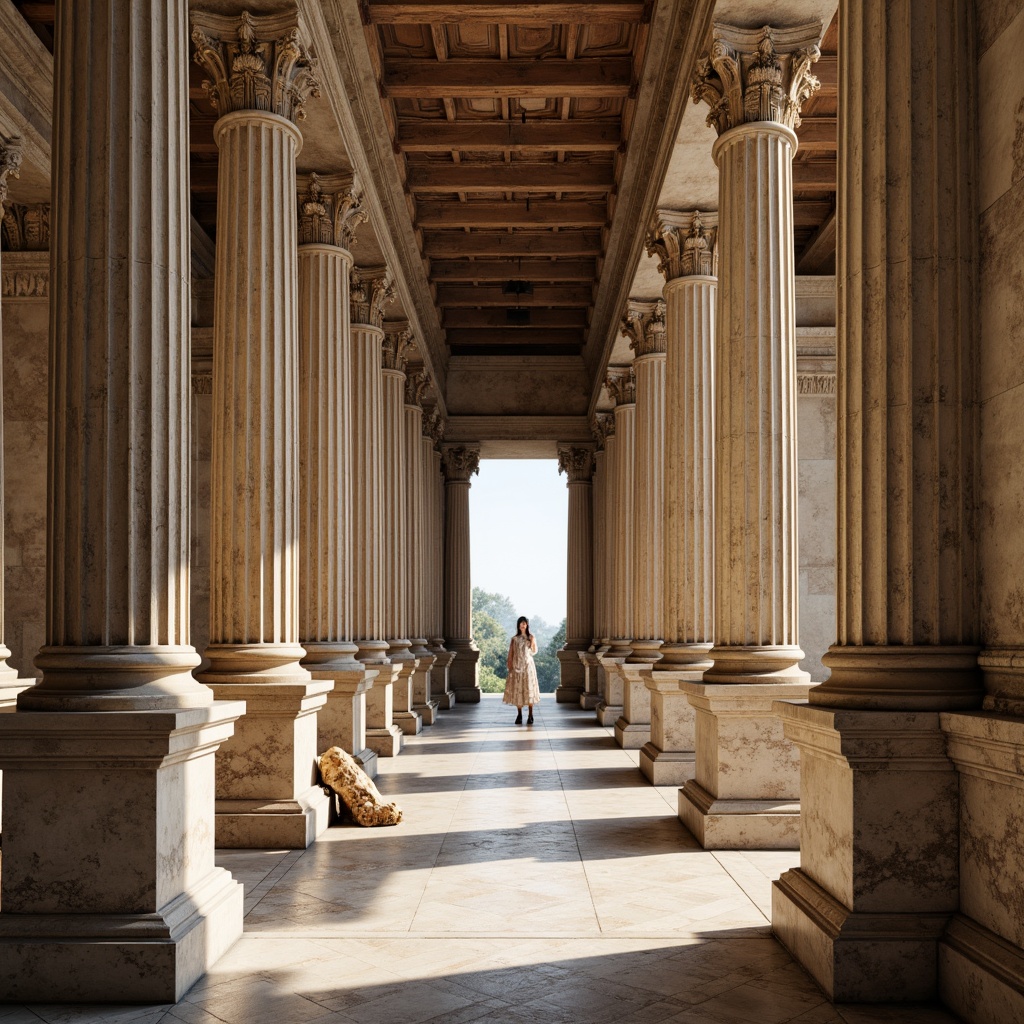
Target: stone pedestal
341,722
609,707
383,736
134,905
633,726
745,794
405,717
440,686
423,702
878,868
669,758
590,697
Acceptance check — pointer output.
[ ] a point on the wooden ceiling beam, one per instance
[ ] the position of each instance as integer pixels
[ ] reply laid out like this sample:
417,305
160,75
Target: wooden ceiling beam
819,254
514,336
501,270
490,318
514,177
542,12
556,295
441,137
493,79
814,175
810,213
818,134
538,213
456,244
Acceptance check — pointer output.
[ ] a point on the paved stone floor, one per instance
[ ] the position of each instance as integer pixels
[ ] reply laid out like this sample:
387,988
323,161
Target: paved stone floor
537,877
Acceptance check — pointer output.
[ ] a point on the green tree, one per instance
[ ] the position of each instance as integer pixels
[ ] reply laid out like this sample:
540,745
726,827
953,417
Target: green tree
547,660
493,643
498,607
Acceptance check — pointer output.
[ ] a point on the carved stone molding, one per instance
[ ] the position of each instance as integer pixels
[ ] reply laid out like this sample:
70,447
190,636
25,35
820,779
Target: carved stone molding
202,383
394,354
417,381
25,275
330,209
434,425
757,74
372,289
26,228
815,383
621,384
644,325
460,463
10,164
254,62
602,427
576,463
686,244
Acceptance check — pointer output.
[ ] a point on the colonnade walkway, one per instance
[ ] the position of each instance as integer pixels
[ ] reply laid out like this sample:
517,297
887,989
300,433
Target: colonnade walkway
537,877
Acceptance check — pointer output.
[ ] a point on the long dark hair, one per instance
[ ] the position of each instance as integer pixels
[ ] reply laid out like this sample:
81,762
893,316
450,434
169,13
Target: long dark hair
519,622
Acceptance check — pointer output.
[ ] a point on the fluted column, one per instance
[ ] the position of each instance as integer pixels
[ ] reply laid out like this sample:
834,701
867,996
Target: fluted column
621,385
688,258
433,429
329,210
880,795
371,290
608,687
460,463
578,465
746,794
118,725
644,325
591,695
419,463
394,353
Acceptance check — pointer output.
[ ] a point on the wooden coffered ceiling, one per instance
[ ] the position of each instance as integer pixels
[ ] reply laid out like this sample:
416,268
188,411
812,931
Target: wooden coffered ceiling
510,123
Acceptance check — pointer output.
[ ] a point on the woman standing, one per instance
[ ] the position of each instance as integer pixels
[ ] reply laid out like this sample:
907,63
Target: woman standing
521,686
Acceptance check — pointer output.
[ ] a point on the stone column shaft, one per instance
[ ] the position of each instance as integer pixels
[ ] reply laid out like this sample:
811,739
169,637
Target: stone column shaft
609,687
117,585
591,696
747,795
884,731
441,686
578,464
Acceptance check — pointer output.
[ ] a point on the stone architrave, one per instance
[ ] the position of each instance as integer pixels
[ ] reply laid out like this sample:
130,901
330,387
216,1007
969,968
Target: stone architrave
394,355
433,432
258,76
883,740
460,463
118,727
686,246
644,325
371,290
578,465
418,464
621,386
329,209
746,794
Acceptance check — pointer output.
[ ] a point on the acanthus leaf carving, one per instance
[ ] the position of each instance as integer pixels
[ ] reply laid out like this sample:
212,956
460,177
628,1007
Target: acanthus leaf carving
417,382
460,462
602,427
11,153
434,425
26,228
254,62
686,244
577,463
330,210
621,384
753,75
644,325
371,290
396,346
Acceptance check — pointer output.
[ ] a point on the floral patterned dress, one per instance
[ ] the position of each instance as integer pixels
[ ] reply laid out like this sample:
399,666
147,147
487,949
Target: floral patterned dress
521,687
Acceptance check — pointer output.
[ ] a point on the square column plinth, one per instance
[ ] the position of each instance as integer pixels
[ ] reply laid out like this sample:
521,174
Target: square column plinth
571,677
424,703
440,687
268,796
464,673
633,726
405,716
865,910
382,735
109,887
668,758
590,696
341,722
609,708
745,794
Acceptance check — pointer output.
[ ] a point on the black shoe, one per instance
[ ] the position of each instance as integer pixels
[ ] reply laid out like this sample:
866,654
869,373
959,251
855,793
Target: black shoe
519,718
529,721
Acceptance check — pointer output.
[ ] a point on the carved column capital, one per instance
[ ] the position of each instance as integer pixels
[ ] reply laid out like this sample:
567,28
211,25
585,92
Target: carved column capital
417,381
577,463
686,244
254,62
621,384
460,462
644,324
10,165
26,228
602,426
434,425
330,209
394,353
372,289
759,74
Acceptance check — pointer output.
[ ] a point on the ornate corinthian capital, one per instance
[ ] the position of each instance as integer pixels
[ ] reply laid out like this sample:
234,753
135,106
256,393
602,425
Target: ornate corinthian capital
685,244
417,381
330,209
621,384
757,74
644,324
434,425
397,343
254,62
576,463
602,427
460,463
372,289
10,165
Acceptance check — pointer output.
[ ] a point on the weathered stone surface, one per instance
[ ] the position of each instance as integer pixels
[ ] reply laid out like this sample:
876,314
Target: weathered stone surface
342,773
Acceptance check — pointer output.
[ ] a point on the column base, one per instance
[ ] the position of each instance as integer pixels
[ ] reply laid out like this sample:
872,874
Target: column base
385,742
633,727
143,958
608,714
341,722
383,737
439,685
427,712
632,735
981,976
410,722
463,675
856,957
667,767
568,694
446,700
279,824
589,701
367,760
739,824
570,675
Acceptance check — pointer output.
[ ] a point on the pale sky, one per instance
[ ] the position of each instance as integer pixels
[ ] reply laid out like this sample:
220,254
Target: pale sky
518,528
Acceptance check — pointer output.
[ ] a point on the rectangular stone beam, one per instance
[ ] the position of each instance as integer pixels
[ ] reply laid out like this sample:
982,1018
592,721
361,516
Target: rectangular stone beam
542,12
442,137
492,295
517,177
455,244
496,318
489,214
493,79
535,270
